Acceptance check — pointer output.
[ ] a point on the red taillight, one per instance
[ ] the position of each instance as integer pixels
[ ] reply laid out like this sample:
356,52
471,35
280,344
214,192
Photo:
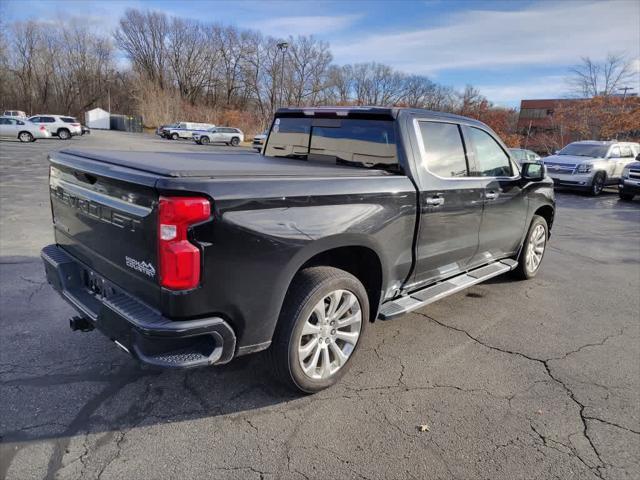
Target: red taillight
178,258
75,124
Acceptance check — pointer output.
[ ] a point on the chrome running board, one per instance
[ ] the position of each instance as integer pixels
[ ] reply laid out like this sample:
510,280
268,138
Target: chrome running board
433,293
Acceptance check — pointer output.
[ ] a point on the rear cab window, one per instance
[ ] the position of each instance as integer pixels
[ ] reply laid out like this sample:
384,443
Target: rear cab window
368,143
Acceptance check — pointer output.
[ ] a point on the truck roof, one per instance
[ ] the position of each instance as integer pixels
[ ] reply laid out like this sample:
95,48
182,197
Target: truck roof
373,112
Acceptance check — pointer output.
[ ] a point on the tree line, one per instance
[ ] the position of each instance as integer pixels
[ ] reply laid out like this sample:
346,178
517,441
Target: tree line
184,69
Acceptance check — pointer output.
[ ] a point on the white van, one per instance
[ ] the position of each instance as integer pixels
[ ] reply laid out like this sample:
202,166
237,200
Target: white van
186,129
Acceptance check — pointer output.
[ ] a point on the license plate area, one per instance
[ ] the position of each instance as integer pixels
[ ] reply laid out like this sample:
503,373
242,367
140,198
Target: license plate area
97,285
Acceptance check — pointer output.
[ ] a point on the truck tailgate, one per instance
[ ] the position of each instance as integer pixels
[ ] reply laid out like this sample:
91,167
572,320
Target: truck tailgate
107,218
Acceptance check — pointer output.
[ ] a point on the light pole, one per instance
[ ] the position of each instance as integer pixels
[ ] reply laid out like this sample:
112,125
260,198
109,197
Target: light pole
282,46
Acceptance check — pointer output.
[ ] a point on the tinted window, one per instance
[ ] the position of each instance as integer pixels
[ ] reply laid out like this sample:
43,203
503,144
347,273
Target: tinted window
68,119
444,153
34,119
4,121
47,119
491,160
364,143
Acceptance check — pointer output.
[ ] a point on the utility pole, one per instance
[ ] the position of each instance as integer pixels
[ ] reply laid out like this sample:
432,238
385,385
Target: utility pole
624,95
282,46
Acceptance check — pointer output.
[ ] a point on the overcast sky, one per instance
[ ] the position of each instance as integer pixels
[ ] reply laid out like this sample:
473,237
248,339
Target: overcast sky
509,50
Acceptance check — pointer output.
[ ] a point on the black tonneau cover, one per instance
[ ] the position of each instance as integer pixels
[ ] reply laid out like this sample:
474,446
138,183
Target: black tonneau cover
218,164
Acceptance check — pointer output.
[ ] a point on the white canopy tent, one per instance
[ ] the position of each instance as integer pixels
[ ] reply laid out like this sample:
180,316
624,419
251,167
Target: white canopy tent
98,118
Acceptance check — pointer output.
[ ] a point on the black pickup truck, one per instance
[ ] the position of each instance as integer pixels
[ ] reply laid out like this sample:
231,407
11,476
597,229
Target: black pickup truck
349,215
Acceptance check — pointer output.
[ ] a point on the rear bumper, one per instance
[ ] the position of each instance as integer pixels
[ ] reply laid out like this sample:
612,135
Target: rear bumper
135,327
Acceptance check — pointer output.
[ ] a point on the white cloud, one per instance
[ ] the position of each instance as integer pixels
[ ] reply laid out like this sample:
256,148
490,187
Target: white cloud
549,86
547,33
304,25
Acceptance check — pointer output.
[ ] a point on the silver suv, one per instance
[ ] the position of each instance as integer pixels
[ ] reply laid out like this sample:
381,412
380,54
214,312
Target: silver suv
590,165
59,126
230,136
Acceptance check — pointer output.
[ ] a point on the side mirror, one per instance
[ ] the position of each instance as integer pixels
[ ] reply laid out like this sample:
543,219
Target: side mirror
533,171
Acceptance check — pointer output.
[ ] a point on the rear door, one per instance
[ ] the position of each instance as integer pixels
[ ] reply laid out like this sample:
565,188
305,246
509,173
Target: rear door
450,203
505,202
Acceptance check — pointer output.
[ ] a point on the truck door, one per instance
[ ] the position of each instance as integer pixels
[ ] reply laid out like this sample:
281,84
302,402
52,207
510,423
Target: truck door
505,203
450,203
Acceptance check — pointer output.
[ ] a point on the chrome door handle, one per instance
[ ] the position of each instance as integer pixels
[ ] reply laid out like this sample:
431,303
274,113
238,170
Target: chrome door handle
435,201
491,195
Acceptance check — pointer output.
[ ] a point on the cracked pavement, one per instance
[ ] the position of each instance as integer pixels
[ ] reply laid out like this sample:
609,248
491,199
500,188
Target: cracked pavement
515,380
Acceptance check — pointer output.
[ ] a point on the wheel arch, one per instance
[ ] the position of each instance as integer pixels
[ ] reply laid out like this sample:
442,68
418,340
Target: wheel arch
361,262
26,131
355,254
548,213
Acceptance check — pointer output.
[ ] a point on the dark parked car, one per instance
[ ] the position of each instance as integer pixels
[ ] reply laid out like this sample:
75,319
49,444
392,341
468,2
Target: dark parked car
629,185
349,215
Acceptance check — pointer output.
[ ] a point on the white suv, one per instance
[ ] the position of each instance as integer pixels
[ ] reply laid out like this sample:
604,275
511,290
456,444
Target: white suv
228,135
60,126
590,165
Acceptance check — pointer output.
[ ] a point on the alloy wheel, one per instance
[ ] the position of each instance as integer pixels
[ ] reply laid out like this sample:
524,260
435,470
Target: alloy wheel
535,248
330,334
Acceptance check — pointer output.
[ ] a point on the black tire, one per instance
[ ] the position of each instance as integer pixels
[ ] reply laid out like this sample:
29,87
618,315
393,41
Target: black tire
175,136
64,134
26,137
627,197
204,140
524,271
235,141
308,288
597,184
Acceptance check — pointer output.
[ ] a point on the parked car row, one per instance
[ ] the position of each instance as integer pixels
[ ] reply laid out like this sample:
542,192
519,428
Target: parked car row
15,124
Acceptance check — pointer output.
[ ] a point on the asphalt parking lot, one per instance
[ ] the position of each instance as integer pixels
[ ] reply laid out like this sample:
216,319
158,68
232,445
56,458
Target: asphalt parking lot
513,380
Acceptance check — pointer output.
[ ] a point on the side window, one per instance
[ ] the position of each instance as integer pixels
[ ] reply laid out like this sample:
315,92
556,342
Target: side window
625,151
47,119
491,160
615,152
34,119
4,121
19,122
444,153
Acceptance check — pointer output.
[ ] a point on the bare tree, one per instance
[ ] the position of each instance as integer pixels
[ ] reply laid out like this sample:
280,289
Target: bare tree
143,37
591,78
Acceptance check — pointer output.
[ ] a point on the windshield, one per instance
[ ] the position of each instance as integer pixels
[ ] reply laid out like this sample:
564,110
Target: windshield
585,150
360,143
